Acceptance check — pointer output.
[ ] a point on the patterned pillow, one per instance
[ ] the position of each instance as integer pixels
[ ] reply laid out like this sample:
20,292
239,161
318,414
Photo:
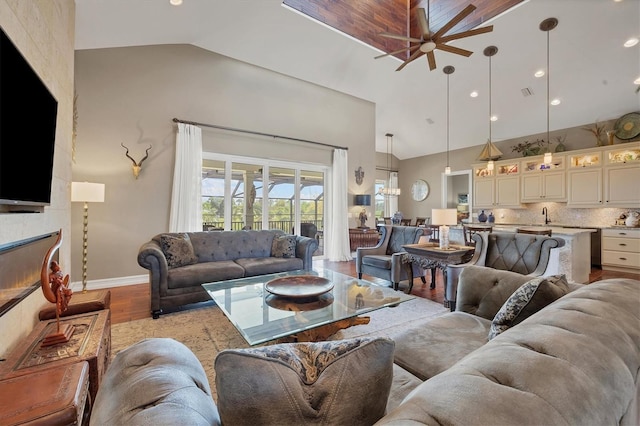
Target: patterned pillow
284,246
332,382
178,250
527,300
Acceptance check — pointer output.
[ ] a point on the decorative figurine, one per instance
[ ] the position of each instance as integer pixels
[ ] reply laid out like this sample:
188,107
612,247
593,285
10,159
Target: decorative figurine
55,287
363,219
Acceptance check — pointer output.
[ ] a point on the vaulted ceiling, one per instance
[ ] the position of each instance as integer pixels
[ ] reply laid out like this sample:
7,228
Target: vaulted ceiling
590,70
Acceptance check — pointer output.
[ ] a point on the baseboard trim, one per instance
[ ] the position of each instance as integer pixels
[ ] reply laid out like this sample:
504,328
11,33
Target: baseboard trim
111,282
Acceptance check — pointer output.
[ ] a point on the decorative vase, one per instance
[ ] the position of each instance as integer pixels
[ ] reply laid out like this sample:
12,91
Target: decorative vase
611,134
482,217
491,218
561,147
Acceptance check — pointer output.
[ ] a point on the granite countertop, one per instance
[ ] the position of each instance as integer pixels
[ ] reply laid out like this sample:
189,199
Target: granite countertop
556,229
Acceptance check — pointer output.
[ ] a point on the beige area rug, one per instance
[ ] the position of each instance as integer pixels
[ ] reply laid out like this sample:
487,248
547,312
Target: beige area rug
207,331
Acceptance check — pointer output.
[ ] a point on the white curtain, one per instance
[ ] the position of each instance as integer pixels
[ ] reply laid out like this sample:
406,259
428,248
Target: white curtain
391,201
337,221
186,197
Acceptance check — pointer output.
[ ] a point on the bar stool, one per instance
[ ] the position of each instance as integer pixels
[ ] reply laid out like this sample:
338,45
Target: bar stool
469,230
542,231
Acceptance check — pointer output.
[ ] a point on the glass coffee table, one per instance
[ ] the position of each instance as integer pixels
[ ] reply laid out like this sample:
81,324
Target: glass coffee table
299,305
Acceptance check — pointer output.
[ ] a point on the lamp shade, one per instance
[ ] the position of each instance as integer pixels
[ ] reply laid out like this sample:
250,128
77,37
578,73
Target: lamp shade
87,192
444,216
363,200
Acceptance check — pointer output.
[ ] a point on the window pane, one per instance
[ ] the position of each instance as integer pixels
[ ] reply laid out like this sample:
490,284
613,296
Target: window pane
212,195
281,199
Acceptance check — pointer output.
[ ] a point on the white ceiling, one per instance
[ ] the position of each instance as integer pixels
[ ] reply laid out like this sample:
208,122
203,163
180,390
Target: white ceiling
591,72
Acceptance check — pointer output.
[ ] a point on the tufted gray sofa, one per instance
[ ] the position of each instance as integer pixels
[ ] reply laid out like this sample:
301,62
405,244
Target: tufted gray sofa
222,255
574,362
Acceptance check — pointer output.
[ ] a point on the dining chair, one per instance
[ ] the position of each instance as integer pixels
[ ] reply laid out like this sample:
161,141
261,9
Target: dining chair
434,236
387,221
405,222
469,230
422,221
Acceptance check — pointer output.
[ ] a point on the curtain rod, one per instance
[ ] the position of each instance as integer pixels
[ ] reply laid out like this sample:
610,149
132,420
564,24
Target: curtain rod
386,169
195,123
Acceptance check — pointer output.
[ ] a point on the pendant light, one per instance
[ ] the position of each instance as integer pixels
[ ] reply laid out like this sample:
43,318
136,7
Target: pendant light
389,190
547,25
490,152
448,70
489,52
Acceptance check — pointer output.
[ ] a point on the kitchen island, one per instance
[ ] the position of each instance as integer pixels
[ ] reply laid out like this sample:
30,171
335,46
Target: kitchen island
573,259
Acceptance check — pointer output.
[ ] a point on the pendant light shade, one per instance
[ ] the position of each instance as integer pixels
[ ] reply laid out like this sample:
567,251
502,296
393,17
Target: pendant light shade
448,70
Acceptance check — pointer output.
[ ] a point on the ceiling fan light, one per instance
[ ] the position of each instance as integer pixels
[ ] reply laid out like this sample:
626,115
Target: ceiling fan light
427,47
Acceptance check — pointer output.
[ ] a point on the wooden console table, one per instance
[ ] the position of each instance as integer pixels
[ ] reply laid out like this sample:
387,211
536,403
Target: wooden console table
361,237
91,342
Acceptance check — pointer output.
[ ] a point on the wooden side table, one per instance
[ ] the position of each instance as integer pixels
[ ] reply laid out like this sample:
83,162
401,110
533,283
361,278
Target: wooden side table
51,396
91,342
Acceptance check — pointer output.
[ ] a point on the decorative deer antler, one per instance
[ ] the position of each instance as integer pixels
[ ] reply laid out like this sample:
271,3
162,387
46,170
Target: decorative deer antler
137,165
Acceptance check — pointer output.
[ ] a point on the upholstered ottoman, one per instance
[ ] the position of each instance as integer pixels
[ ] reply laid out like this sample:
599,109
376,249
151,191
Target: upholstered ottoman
156,381
80,303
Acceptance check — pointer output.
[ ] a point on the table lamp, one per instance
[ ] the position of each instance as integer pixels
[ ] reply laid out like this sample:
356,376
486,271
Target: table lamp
86,192
444,218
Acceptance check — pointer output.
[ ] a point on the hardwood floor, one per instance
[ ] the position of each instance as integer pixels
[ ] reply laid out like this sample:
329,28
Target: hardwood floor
132,302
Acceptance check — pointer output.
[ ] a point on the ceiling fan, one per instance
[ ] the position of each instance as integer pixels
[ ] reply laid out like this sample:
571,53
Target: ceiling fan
429,41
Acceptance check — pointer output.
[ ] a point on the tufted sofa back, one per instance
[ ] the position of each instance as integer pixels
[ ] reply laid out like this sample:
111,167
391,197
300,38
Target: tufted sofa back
508,251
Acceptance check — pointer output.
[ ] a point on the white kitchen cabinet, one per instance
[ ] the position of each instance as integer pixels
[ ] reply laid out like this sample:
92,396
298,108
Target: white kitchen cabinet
621,249
543,182
498,188
584,180
622,186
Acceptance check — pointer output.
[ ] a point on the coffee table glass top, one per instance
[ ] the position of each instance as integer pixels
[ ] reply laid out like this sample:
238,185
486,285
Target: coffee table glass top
261,316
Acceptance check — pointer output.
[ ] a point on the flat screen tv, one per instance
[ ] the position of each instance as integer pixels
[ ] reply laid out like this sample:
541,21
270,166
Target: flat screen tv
28,113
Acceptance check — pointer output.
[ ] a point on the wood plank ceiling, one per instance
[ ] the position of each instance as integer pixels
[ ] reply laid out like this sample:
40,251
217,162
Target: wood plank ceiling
365,19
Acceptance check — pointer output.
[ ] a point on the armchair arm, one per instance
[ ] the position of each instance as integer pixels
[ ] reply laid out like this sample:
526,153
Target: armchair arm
305,247
454,271
545,255
397,265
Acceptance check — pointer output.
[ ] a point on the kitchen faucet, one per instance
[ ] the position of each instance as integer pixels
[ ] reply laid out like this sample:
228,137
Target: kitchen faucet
546,217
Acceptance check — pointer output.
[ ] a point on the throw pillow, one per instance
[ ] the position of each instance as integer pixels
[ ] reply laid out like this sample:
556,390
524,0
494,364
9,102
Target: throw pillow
333,382
178,250
283,246
528,299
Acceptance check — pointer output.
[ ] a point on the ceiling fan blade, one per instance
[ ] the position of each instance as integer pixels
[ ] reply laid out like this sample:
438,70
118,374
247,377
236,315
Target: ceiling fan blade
424,24
432,60
412,58
452,23
400,37
464,34
410,49
452,49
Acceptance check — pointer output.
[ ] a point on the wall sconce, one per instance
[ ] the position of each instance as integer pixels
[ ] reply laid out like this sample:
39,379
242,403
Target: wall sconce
137,165
444,217
362,200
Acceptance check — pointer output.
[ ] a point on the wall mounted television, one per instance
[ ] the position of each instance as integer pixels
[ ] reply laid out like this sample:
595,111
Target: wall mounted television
28,113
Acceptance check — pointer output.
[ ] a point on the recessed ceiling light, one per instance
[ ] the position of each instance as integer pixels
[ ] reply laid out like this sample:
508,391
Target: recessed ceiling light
473,94
555,102
539,74
494,118
636,81
631,42
175,2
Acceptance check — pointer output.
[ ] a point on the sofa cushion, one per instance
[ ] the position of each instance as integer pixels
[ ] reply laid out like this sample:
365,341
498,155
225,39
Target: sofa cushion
269,265
333,383
178,250
185,277
527,300
283,246
432,345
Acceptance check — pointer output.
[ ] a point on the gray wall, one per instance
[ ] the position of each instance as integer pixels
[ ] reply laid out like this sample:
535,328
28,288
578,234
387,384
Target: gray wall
130,95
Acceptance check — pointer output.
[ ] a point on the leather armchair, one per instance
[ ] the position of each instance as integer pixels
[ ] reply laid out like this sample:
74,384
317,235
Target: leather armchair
385,260
522,253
